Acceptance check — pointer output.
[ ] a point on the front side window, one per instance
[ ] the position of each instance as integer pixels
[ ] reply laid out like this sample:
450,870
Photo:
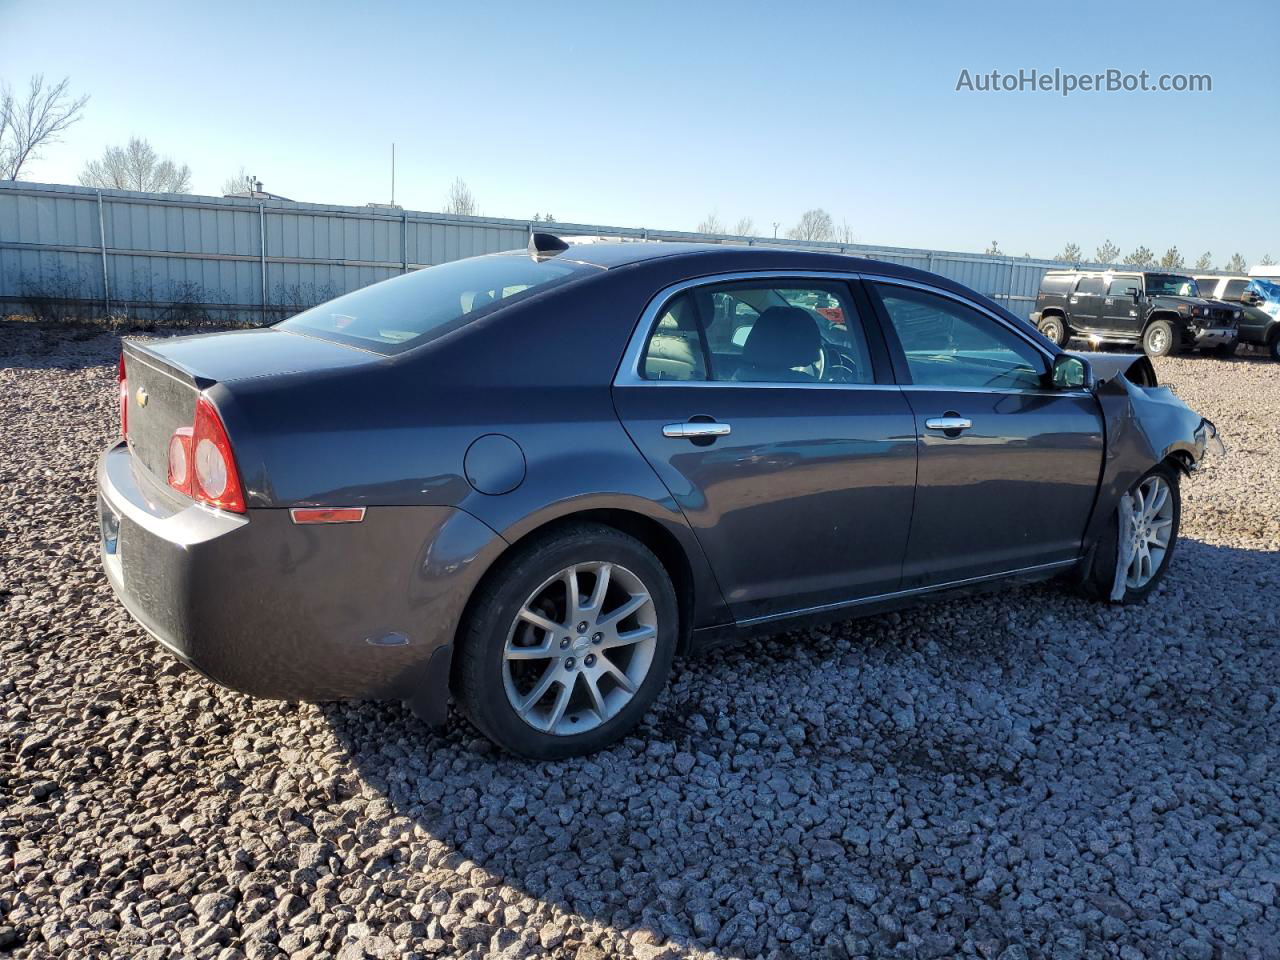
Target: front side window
406,311
760,331
948,344
1123,286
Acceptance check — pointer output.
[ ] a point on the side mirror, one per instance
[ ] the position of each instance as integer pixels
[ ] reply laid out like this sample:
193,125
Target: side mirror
1071,372
1250,299
1135,293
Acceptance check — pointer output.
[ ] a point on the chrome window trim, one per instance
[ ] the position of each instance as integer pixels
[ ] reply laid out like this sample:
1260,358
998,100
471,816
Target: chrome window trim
628,374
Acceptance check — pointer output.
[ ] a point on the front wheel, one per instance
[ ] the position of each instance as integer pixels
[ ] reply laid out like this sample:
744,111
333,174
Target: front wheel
1159,339
1132,558
1223,350
568,643
1054,329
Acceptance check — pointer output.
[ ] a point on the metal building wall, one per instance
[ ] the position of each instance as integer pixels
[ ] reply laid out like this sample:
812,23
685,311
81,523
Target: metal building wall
77,251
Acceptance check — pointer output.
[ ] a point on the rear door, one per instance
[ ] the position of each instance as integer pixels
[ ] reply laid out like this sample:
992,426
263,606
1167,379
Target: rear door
1008,466
1120,313
766,406
1086,303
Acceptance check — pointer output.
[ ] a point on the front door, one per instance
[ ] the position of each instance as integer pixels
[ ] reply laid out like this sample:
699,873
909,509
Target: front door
1120,311
766,408
1008,466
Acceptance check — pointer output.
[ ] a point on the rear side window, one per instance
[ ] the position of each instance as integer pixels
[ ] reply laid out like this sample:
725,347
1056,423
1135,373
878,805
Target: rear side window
1090,285
406,311
1056,283
760,331
675,350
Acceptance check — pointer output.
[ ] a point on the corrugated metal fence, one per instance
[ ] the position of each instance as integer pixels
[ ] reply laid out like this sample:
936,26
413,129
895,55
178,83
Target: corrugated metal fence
70,251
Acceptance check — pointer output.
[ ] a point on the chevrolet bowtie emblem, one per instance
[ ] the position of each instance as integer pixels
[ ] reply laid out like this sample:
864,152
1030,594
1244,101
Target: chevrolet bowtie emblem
142,396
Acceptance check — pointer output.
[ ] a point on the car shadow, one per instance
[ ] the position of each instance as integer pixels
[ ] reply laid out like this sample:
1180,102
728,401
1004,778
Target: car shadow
933,779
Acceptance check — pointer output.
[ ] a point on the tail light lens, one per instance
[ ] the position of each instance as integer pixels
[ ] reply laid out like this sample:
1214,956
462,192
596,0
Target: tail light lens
180,460
201,464
123,386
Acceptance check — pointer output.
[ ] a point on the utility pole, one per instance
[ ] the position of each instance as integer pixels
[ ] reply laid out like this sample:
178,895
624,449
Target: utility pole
775,229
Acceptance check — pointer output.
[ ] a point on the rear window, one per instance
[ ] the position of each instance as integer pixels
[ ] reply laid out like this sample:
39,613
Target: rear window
407,311
1057,282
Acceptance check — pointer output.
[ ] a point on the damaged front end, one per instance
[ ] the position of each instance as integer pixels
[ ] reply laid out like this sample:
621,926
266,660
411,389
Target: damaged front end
1145,425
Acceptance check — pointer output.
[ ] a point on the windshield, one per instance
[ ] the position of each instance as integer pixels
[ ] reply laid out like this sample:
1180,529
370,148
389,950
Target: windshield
409,310
1164,283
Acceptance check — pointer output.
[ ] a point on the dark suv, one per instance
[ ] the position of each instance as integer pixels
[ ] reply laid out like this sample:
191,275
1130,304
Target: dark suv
1162,311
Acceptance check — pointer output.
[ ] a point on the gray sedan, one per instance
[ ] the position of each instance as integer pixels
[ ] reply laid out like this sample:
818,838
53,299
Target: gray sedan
526,481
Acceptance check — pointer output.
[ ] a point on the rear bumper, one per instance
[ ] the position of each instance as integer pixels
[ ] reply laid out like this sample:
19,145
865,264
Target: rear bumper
272,609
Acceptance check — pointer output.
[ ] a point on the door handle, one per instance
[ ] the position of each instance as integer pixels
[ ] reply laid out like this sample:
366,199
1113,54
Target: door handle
948,423
689,431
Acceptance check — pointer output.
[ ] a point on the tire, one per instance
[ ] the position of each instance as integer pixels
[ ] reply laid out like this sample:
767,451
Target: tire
499,668
1159,339
1055,329
1106,555
1273,345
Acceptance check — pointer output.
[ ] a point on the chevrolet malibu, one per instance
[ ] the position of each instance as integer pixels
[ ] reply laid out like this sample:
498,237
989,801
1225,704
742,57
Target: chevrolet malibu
526,481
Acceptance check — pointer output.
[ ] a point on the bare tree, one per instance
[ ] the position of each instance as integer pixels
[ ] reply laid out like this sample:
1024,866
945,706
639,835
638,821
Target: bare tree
1108,253
844,232
710,224
1236,264
815,224
1205,262
239,183
136,166
994,250
460,200
1070,254
1266,261
1142,257
28,125
1172,260
745,227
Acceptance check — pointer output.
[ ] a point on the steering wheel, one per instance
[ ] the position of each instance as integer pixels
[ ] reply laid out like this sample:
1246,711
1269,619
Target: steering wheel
835,366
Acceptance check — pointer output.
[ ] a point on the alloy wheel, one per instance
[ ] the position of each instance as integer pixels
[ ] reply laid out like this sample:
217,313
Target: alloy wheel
1158,340
580,647
1150,531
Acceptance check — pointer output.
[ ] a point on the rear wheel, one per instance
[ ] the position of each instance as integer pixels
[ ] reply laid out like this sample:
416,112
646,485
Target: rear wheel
1145,545
568,643
1159,339
1054,329
1273,345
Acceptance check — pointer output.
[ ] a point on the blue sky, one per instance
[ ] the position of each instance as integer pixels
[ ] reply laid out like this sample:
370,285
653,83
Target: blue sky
655,114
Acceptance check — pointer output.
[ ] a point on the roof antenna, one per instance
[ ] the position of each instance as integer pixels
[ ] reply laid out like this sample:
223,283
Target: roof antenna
542,245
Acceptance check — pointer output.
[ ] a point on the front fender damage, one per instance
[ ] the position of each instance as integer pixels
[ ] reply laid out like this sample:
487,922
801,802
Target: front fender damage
1144,426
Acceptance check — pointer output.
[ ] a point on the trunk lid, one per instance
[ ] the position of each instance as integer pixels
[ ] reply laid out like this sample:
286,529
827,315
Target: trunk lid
165,378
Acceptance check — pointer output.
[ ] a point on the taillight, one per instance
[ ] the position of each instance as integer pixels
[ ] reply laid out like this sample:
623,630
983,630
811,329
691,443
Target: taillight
180,460
123,385
201,464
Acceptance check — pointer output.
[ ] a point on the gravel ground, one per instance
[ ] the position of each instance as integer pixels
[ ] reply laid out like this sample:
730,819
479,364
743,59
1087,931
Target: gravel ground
1019,775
